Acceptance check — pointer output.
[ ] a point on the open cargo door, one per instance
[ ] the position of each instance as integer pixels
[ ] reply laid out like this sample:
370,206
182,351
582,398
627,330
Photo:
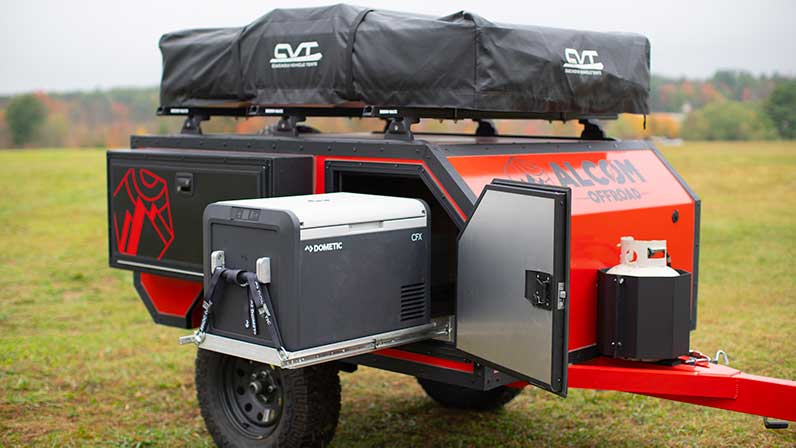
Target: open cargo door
513,276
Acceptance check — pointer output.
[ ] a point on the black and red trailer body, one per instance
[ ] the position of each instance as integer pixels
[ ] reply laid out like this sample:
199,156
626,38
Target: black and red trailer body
617,188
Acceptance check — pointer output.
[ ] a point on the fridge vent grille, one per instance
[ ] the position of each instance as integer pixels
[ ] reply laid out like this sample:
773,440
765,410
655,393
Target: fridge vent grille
413,303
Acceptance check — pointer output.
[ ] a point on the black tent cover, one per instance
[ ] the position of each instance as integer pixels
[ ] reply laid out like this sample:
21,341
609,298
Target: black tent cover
342,55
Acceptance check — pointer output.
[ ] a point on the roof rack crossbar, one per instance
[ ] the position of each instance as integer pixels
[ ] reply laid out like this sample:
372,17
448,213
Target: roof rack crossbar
385,112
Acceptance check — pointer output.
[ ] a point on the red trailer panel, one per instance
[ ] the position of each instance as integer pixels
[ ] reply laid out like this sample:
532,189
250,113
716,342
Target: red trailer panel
614,193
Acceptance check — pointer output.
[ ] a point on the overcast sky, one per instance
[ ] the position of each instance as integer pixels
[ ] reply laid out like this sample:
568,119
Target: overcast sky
70,45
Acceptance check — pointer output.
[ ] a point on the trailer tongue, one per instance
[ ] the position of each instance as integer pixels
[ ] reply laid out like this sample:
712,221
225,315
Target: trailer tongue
476,263
697,380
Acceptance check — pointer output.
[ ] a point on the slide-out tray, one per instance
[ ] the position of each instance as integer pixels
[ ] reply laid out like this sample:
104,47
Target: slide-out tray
437,328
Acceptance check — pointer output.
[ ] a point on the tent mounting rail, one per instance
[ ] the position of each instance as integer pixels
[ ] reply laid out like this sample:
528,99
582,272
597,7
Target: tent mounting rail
388,113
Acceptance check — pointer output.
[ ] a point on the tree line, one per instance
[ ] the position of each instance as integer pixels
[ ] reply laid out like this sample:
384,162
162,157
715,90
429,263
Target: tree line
730,105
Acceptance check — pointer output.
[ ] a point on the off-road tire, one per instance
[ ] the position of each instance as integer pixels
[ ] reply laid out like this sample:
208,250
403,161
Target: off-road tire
310,404
458,397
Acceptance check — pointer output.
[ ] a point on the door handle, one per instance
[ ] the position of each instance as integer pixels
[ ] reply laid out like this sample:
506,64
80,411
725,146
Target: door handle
183,182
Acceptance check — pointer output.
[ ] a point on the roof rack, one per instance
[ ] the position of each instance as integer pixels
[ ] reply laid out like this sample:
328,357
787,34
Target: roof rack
400,119
384,112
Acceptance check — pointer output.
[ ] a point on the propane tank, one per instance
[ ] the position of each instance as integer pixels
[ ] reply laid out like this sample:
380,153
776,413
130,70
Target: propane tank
639,258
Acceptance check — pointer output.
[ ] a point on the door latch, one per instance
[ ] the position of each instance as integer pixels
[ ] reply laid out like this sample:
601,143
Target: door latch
539,289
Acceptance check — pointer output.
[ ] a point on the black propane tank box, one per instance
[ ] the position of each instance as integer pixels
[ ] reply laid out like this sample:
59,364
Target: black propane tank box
156,198
342,265
643,318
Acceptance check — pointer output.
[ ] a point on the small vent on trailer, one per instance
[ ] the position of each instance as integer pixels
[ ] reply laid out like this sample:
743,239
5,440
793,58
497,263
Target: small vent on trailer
413,301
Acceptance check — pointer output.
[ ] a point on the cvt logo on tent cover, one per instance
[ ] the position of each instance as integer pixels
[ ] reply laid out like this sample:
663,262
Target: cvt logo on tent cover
286,56
582,62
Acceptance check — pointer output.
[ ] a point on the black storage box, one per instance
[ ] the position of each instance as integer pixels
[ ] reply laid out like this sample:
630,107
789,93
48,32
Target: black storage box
342,266
156,198
643,318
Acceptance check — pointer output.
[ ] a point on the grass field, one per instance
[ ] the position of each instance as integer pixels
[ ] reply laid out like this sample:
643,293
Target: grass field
81,363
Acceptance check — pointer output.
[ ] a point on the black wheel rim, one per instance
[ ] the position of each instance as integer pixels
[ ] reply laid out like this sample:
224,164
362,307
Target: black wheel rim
252,396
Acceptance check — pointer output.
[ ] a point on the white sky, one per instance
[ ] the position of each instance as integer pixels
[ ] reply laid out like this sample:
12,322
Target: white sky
70,45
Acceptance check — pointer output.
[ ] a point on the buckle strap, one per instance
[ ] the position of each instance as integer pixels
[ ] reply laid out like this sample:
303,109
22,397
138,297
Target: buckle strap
261,296
212,295
259,299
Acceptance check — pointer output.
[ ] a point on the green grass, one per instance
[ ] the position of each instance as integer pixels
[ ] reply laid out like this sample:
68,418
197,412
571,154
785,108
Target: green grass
81,363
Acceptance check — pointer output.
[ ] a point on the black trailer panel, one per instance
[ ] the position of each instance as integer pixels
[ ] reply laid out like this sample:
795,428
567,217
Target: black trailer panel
156,199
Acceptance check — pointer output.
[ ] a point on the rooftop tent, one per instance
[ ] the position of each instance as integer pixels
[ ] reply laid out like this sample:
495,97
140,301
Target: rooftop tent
349,56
